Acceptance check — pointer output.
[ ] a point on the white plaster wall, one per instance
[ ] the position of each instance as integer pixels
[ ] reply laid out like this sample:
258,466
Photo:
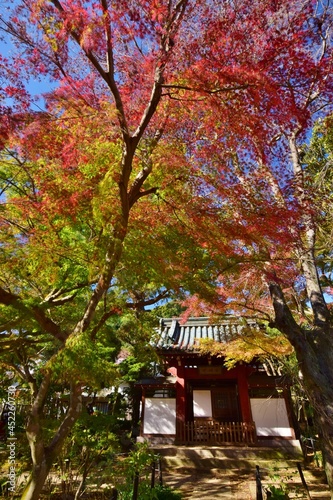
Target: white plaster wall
202,403
160,416
270,416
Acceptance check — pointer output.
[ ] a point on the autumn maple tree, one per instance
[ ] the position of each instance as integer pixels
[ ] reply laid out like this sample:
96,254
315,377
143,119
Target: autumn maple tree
158,162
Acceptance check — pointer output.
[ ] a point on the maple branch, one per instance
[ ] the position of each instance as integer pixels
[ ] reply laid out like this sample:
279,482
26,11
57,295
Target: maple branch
25,371
319,17
48,325
284,320
11,181
110,73
165,50
5,327
11,30
108,33
142,303
18,336
178,14
112,257
141,194
108,76
16,368
53,298
207,91
63,300
155,98
74,410
15,224
102,321
134,192
10,299
138,305
9,341
53,295
264,315
40,397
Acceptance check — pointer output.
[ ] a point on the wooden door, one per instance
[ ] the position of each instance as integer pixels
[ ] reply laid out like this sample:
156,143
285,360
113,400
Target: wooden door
225,407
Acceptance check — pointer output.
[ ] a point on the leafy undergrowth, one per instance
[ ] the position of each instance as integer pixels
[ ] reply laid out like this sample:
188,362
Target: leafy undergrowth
107,471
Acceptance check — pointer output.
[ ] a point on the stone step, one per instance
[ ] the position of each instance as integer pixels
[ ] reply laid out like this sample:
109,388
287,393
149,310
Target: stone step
201,472
239,484
290,478
225,457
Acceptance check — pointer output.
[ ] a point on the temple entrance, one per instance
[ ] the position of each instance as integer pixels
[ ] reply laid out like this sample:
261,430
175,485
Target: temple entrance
215,417
218,403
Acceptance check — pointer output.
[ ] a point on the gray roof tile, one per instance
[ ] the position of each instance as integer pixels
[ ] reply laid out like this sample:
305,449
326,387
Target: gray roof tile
177,335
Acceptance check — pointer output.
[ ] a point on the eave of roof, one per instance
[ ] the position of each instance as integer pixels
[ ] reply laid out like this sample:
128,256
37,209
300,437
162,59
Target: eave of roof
160,381
175,335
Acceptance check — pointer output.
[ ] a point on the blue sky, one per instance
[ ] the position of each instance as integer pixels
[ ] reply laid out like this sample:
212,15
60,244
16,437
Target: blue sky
35,87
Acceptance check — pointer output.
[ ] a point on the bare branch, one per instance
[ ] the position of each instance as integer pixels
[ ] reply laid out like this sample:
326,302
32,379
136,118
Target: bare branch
203,90
108,76
142,303
165,50
10,299
141,194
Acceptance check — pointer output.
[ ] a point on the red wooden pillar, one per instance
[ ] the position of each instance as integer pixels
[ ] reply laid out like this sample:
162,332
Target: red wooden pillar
243,391
180,399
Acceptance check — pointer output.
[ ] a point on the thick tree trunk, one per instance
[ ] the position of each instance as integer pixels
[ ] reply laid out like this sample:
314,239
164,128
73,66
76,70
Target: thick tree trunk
306,244
325,420
314,347
314,352
317,379
36,481
44,456
310,272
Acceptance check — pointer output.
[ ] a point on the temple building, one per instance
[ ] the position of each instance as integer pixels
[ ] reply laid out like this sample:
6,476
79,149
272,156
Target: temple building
199,400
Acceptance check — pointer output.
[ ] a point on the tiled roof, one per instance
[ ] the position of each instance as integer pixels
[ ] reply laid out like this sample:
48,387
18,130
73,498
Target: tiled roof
176,335
160,380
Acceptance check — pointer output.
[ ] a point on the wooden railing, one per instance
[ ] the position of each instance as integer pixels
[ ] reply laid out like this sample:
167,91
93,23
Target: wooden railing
212,432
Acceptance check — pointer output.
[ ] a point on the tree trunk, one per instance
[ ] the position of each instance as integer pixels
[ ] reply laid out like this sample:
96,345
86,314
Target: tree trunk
319,389
306,244
44,456
36,481
313,347
314,352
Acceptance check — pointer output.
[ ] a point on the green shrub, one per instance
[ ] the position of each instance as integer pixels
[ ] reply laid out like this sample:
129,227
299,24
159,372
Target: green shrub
277,493
166,493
